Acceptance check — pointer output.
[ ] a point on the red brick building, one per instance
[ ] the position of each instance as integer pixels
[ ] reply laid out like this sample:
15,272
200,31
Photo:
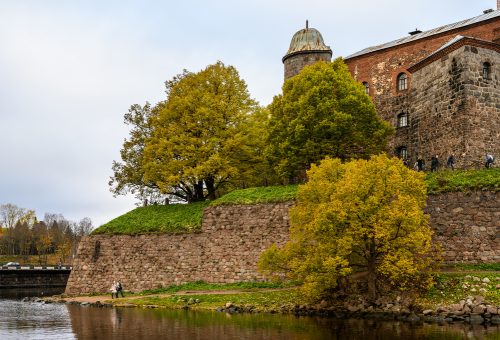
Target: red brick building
439,89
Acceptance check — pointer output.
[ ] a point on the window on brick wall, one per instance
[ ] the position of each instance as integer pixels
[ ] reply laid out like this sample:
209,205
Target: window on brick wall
402,152
367,87
486,70
402,119
402,82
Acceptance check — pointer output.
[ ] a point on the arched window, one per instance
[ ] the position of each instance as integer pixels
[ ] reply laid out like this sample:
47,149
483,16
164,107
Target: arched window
367,87
402,119
403,152
486,70
402,82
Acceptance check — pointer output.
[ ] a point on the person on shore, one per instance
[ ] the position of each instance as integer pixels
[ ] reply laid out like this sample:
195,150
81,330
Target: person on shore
434,163
489,161
450,163
119,289
113,290
420,164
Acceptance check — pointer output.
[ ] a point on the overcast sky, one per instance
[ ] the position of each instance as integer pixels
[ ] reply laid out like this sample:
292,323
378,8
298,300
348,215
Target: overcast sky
69,70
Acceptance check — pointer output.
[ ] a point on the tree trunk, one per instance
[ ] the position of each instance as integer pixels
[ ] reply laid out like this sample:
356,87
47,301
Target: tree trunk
372,275
198,191
210,184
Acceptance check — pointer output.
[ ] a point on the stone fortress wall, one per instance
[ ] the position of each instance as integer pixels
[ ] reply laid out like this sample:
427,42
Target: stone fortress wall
232,237
450,108
454,110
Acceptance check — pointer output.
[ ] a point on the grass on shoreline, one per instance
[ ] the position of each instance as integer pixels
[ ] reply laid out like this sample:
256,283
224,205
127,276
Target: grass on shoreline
453,287
449,288
202,285
259,300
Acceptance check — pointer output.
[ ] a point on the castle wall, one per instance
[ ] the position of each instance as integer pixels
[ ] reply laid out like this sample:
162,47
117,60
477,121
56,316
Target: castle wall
294,64
454,110
380,68
467,225
226,250
232,238
448,105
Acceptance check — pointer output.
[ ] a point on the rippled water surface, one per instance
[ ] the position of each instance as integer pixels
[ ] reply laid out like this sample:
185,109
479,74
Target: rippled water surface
24,320
21,320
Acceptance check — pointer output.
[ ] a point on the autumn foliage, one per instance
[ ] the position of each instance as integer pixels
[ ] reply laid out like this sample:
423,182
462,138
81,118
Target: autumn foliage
360,221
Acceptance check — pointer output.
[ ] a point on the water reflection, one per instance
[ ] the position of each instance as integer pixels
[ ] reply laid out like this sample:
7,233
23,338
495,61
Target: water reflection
22,320
107,323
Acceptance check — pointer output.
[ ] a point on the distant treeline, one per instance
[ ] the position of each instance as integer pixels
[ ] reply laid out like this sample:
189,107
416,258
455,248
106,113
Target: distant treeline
21,233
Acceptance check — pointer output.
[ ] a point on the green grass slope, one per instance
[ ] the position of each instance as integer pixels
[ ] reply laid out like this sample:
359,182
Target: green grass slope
174,218
463,180
186,218
272,194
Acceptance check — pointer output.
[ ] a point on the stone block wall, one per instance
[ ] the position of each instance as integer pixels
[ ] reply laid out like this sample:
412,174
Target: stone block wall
454,110
467,225
295,63
226,250
232,238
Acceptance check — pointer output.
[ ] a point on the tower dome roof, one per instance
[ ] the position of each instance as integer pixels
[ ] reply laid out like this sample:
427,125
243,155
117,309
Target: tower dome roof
305,40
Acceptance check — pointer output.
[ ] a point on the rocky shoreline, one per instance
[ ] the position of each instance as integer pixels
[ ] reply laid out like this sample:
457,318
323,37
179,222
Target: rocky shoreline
472,310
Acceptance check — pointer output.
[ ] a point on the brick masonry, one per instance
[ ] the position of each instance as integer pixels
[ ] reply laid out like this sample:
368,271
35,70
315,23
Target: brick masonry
232,238
380,68
450,109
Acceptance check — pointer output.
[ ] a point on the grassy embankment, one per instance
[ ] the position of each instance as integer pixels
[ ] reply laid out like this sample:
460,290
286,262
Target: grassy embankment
186,218
463,180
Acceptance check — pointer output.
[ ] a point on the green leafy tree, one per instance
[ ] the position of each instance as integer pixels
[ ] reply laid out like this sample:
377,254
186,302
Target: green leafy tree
201,139
322,112
361,220
128,174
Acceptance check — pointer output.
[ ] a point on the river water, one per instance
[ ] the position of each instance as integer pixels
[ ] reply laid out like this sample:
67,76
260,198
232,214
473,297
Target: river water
29,320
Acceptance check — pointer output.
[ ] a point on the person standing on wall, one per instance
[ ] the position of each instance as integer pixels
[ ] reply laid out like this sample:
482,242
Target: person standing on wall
450,163
420,164
434,163
489,161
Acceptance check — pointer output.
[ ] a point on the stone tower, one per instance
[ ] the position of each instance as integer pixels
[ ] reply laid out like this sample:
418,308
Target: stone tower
306,48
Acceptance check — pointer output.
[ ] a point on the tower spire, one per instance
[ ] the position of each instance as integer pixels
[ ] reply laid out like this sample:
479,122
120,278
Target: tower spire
307,23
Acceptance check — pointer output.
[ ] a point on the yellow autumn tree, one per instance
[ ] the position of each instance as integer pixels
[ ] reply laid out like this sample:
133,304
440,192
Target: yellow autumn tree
206,136
360,221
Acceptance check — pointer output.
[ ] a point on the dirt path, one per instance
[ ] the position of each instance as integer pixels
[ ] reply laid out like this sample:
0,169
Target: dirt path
107,298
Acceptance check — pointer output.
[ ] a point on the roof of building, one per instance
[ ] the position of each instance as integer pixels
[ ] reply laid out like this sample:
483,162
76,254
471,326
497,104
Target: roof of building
452,45
463,23
307,40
